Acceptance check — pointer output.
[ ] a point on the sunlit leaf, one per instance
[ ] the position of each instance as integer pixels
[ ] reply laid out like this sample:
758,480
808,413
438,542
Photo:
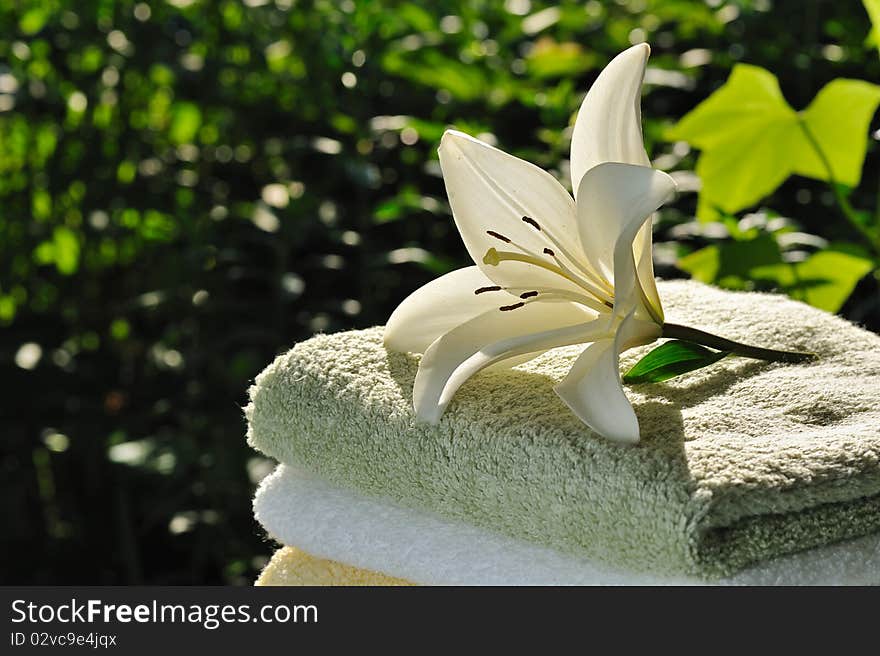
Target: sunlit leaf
389,210
428,130
731,263
548,59
407,201
672,359
119,329
752,140
157,226
186,119
33,20
44,252
62,250
66,250
126,172
825,279
838,118
90,59
417,17
746,131
873,9
430,67
7,307
41,204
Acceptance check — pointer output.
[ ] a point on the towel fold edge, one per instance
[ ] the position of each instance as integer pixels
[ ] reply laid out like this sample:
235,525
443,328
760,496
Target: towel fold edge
370,533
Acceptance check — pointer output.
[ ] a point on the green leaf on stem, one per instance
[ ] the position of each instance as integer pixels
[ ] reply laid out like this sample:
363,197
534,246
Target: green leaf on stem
672,359
873,9
824,280
752,140
731,263
746,130
838,117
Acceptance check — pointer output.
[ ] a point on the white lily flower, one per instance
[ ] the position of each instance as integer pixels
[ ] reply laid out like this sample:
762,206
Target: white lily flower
550,270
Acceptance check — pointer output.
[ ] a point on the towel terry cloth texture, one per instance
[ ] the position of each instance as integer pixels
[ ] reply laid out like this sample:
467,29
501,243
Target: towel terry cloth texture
739,462
289,566
334,524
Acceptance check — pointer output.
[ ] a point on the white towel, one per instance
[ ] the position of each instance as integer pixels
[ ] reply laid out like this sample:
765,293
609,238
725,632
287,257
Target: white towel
331,522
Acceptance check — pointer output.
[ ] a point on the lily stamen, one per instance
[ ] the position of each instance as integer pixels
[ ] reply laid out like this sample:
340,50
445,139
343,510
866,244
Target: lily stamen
499,236
560,295
547,251
557,295
575,277
494,257
532,223
588,284
602,295
549,236
529,295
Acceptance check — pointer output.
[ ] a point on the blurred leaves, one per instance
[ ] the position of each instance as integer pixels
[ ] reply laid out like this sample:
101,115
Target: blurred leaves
731,263
548,59
62,251
33,20
186,119
825,279
433,69
873,9
188,188
771,256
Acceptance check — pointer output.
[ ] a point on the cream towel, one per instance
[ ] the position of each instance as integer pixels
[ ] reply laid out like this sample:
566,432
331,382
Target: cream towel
290,566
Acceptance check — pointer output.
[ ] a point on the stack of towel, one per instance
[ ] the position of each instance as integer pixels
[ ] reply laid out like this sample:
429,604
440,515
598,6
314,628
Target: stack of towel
747,472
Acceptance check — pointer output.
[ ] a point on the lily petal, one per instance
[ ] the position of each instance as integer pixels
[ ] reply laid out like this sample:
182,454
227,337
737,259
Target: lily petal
592,388
439,306
490,190
608,127
643,250
617,199
492,337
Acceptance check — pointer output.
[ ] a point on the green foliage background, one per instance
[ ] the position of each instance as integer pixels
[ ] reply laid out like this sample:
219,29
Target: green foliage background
189,187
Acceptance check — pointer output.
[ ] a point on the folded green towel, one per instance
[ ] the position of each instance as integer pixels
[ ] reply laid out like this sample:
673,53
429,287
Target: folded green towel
738,462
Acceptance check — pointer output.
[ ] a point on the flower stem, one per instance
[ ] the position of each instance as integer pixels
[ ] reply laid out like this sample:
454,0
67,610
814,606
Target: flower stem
713,341
848,211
